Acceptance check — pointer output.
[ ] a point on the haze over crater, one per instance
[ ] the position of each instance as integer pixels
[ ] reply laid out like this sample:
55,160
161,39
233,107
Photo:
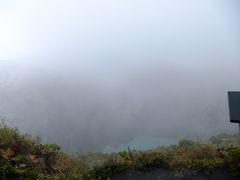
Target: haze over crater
99,73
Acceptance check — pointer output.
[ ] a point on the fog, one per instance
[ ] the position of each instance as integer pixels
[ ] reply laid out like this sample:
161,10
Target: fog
86,75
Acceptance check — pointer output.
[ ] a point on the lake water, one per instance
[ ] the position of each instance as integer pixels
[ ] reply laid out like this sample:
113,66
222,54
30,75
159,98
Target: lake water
141,143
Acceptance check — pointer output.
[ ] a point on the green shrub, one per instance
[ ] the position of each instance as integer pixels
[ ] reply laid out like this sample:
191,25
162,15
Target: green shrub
108,169
145,161
209,164
233,160
186,143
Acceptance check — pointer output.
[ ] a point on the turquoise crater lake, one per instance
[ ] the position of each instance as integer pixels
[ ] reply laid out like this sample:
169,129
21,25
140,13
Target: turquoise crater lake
141,144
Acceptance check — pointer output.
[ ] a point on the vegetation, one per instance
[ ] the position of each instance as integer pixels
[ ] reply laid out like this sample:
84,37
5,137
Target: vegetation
25,157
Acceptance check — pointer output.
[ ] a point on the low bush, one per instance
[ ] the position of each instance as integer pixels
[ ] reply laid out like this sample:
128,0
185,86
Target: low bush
22,156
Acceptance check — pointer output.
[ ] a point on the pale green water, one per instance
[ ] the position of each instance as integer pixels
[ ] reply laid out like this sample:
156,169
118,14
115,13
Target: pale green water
141,143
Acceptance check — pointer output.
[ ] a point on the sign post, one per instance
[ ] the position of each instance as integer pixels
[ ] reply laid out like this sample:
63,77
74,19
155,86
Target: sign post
239,129
234,107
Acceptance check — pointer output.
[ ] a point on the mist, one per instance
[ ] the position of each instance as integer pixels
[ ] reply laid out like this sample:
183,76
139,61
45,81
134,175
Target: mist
86,75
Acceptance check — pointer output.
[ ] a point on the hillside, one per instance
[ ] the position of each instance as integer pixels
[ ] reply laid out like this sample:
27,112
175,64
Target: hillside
25,157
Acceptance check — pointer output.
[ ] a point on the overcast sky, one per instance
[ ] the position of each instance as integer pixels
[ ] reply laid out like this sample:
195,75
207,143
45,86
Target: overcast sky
83,30
110,70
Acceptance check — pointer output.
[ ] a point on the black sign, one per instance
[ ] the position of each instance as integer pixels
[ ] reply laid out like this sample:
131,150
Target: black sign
234,106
